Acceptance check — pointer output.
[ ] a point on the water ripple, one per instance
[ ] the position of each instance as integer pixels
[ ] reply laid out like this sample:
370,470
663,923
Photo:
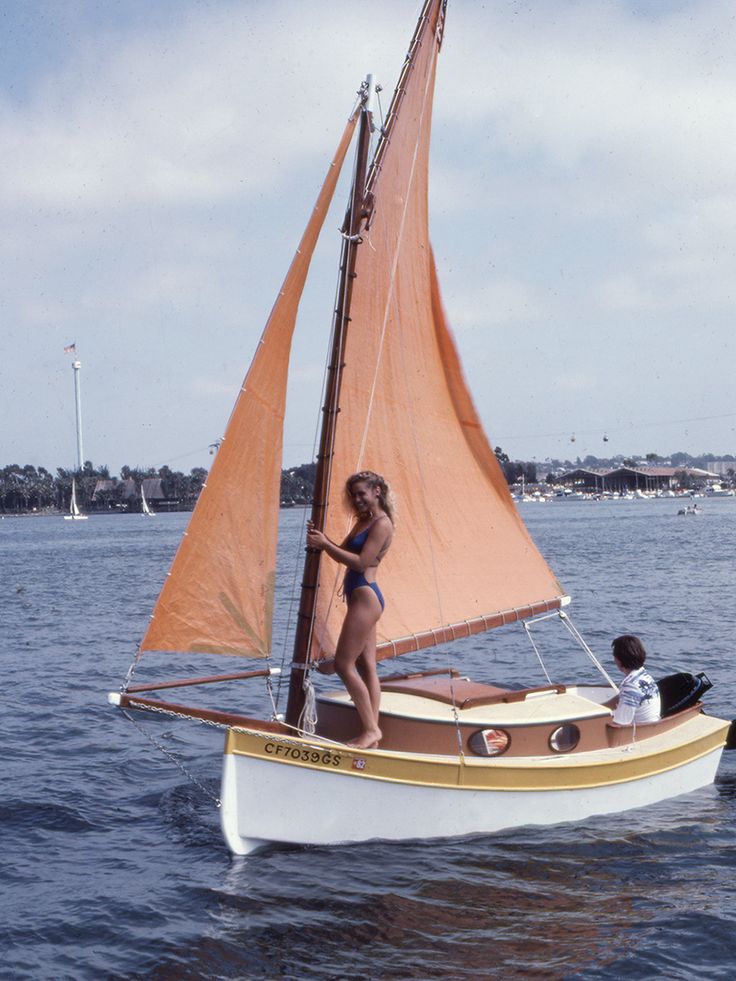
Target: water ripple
113,865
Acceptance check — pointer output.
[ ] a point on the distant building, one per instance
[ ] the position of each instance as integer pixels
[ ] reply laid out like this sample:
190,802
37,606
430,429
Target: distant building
152,489
722,467
128,490
624,479
103,487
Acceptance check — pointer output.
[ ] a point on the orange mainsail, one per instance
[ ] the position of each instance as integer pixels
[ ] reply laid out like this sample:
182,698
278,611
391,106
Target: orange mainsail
462,559
218,596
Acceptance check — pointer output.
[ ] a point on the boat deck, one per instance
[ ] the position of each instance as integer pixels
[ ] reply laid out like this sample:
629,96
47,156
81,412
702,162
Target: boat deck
537,707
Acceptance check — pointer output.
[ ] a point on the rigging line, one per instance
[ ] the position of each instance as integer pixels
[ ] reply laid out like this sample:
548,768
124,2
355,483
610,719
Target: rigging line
174,759
348,245
398,95
392,280
315,442
632,425
393,300
536,651
269,689
380,107
343,339
132,669
183,456
581,641
334,590
458,731
338,315
298,551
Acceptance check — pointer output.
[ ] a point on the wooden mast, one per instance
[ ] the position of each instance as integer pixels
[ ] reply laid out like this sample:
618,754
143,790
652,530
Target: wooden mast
358,211
358,215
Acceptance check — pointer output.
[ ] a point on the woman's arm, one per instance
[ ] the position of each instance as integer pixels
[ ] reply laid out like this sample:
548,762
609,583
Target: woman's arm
376,541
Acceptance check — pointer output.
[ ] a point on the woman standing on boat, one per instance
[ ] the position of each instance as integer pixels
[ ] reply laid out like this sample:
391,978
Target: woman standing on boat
369,540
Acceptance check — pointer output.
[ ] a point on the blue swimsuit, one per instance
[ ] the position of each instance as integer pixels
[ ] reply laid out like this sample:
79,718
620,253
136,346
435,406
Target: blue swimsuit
354,579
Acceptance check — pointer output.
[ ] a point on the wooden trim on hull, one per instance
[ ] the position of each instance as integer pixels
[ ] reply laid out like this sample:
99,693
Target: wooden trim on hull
530,736
696,738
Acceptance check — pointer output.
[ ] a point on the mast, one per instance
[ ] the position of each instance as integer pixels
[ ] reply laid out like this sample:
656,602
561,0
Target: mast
357,213
76,368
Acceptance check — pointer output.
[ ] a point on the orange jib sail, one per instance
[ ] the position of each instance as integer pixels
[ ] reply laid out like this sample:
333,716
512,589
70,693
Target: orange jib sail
218,597
462,559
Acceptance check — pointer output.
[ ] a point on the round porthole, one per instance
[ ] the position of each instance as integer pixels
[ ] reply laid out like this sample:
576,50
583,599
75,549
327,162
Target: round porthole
489,742
564,739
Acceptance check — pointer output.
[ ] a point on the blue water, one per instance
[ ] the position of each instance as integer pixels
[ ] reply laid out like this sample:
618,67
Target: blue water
113,866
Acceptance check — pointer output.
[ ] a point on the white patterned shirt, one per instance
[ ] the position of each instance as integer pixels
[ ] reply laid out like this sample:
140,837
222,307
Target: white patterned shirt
638,699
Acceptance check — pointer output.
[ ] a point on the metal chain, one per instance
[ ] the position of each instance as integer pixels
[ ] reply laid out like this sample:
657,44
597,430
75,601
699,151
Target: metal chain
273,737
187,773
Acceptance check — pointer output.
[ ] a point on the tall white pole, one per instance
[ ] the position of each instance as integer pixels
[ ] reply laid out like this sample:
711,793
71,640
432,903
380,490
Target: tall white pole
76,367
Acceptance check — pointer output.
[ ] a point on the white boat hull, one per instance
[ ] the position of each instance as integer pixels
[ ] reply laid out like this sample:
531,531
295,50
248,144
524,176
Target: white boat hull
303,796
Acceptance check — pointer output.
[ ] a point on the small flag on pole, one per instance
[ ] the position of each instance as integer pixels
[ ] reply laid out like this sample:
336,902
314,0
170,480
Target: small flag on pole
70,349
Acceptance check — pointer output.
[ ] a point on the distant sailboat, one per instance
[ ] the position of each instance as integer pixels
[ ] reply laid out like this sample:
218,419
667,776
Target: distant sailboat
74,513
145,509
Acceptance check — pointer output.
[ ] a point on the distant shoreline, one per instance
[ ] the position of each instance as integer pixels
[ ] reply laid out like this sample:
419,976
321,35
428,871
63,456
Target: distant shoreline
100,514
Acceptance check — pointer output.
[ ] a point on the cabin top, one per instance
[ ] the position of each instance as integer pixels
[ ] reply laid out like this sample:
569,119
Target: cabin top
439,698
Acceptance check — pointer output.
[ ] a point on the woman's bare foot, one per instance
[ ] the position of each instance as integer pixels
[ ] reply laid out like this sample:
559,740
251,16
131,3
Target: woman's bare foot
367,740
326,665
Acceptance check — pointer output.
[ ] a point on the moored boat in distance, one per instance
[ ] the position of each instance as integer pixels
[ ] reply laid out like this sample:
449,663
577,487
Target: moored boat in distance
457,756
717,490
74,513
145,507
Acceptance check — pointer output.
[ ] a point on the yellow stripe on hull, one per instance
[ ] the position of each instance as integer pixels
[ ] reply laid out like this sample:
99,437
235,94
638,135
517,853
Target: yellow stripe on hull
696,738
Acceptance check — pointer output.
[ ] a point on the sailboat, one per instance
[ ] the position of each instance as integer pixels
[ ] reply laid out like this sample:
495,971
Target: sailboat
74,513
458,756
145,508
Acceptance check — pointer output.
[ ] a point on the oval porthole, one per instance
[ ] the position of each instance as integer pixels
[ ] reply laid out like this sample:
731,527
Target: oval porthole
489,742
564,739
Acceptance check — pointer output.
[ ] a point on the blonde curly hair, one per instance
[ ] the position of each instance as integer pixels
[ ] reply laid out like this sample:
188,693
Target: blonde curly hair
386,496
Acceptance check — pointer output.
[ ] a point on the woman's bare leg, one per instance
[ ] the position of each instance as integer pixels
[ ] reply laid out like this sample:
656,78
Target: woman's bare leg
366,665
360,622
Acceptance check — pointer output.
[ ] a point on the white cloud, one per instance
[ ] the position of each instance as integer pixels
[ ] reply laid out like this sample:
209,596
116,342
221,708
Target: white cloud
496,302
155,181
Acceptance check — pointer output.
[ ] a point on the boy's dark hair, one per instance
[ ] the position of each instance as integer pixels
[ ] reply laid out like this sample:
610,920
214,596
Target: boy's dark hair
630,651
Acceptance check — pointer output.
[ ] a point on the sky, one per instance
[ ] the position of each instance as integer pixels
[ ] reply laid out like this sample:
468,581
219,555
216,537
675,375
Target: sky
160,162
